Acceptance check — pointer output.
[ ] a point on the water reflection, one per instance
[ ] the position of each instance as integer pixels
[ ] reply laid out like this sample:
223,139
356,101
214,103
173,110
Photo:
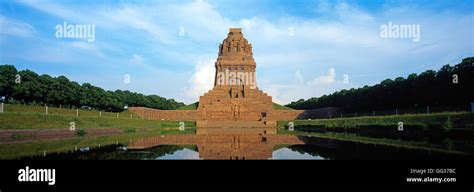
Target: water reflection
248,147
235,147
181,154
288,153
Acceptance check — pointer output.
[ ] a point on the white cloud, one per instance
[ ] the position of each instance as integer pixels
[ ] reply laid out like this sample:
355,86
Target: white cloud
352,13
85,47
324,79
55,9
299,76
15,27
316,87
139,61
71,52
201,81
136,59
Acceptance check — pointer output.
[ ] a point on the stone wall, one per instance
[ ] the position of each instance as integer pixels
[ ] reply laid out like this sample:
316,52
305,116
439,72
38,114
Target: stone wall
195,115
218,105
174,115
322,113
282,115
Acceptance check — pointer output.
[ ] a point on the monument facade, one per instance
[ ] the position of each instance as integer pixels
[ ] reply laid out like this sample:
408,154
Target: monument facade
235,101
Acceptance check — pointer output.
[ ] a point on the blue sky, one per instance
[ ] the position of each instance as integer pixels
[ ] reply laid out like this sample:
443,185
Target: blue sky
140,39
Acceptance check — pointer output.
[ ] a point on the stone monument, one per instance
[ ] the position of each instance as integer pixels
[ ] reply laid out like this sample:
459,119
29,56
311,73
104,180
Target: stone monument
235,101
235,105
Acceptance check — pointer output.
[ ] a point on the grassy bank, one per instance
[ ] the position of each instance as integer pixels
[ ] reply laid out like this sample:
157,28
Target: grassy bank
436,120
280,107
34,117
42,121
192,106
8,108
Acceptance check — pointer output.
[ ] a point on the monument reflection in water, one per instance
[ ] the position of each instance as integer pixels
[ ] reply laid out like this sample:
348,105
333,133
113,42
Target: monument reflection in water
245,146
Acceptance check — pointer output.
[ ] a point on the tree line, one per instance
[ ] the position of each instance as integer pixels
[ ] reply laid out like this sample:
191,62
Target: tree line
450,86
27,87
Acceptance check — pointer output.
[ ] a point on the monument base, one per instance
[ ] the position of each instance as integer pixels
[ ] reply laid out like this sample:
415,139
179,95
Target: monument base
236,127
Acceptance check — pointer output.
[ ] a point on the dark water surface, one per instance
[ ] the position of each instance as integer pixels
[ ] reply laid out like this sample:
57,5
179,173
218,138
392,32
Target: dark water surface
315,148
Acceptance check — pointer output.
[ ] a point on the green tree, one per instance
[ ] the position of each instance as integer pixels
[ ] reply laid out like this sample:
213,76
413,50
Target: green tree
429,88
7,80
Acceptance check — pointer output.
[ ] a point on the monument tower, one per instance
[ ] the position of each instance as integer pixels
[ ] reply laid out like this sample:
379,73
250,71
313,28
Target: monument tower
235,55
235,102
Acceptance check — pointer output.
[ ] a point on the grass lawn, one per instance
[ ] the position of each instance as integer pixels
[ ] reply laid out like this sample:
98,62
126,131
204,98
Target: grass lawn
436,120
33,117
192,106
280,107
65,111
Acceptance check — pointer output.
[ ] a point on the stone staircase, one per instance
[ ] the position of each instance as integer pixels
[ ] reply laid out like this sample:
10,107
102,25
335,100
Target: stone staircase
233,124
235,127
